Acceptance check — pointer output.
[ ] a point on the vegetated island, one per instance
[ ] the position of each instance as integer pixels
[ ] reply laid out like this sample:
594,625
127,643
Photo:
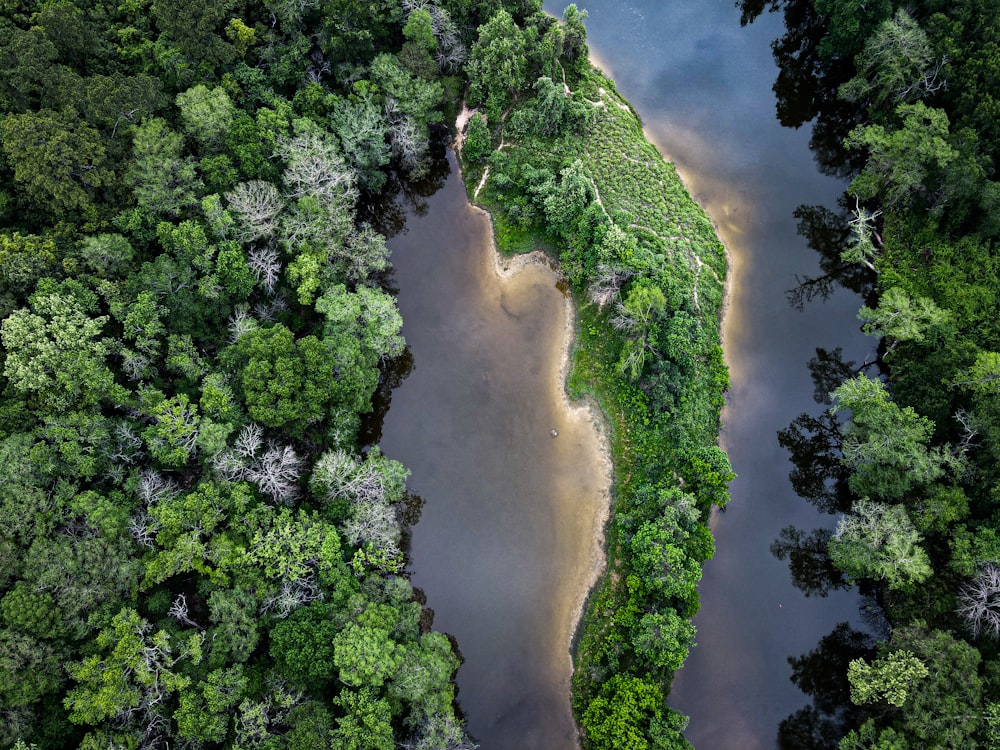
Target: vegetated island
560,160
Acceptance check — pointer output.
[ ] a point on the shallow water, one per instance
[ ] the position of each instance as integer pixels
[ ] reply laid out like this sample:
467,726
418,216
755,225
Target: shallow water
505,546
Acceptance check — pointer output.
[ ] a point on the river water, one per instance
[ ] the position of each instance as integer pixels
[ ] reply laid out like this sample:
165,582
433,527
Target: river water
702,85
507,544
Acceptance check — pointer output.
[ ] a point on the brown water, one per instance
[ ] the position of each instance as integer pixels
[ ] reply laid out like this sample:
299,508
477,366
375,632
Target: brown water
702,85
507,544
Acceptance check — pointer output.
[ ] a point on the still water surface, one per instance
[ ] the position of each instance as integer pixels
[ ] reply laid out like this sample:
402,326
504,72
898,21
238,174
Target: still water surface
702,85
507,541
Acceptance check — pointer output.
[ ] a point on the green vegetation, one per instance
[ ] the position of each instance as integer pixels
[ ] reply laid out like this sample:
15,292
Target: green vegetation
911,462
572,170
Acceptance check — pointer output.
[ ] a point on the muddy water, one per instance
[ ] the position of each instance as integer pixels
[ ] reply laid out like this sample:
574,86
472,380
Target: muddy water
702,85
507,543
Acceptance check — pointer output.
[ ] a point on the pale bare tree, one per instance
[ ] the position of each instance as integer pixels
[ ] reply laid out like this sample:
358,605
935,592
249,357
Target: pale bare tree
241,322
315,168
276,473
179,611
256,205
265,265
979,602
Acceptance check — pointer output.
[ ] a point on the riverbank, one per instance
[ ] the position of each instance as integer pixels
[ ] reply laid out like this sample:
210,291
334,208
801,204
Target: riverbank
648,274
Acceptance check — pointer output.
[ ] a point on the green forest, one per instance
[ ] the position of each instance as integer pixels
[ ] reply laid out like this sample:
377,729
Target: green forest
904,103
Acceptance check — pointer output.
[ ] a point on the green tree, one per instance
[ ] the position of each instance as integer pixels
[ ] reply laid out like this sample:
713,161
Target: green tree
899,317
302,645
497,65
879,541
164,182
477,139
57,156
366,723
286,383
888,678
54,353
885,446
134,671
207,114
897,64
917,165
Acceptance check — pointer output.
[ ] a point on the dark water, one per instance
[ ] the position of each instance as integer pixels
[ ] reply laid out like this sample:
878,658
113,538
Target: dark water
506,543
702,85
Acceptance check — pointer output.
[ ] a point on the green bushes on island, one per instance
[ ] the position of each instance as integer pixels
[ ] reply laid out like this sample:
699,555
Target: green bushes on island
572,172
911,461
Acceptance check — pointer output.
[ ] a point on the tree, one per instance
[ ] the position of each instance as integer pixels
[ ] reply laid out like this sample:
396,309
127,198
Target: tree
164,182
884,445
888,678
57,156
363,135
133,675
26,66
477,139
364,656
897,64
29,668
286,383
54,353
302,645
24,259
366,723
204,709
849,24
256,205
630,713
370,315
899,317
662,640
497,67
207,114
192,26
919,164
878,541
979,602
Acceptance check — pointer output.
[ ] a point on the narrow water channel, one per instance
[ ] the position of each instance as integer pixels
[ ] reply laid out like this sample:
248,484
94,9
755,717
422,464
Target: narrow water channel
702,85
512,477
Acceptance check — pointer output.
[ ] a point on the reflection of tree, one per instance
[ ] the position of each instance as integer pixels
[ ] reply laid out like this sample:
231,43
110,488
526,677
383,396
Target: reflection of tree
392,376
828,371
822,674
402,197
828,233
818,476
806,87
809,560
814,442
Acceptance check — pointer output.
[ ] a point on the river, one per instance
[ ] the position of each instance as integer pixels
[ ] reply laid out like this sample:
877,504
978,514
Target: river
508,540
504,548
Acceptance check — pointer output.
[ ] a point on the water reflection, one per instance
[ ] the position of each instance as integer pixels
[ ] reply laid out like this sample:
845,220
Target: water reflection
822,674
806,85
828,233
